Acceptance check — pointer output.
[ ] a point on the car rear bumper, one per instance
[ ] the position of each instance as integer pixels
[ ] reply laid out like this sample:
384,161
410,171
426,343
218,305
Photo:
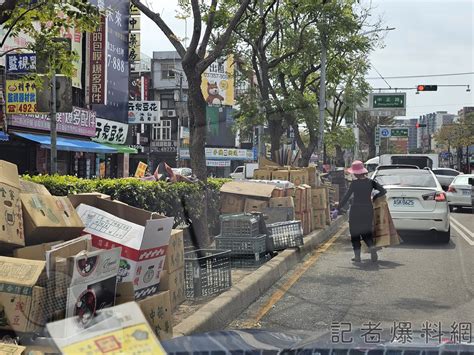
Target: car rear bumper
421,221
456,200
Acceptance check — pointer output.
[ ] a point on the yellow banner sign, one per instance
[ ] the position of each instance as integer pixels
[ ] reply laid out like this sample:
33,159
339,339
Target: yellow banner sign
141,169
20,97
218,82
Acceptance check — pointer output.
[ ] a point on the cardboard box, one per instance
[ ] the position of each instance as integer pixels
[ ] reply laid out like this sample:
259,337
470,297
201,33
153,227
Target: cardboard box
262,174
22,294
11,349
122,329
300,199
143,245
174,283
93,283
299,177
231,203
279,192
34,252
319,198
319,219
249,189
309,221
253,205
281,175
174,259
30,187
309,196
278,214
49,218
327,213
156,309
313,176
11,215
93,195
282,202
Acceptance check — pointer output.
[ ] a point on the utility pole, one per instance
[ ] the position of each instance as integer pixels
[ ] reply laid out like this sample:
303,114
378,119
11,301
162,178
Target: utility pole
54,133
322,100
178,140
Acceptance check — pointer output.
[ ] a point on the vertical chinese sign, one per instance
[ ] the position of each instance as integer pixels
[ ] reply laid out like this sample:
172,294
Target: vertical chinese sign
134,26
97,73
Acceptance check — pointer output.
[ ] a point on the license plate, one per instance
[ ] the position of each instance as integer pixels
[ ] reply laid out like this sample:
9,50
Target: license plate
403,202
466,193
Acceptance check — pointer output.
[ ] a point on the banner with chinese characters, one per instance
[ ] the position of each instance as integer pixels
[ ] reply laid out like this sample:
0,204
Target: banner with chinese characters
218,82
221,153
98,88
144,112
80,122
163,146
110,131
134,47
20,96
76,45
218,163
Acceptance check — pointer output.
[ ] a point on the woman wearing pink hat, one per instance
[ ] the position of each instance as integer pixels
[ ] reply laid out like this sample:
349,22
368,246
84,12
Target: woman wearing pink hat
361,214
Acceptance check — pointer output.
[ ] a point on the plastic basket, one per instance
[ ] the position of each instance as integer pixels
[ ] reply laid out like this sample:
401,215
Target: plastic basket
287,234
240,225
207,272
250,261
239,245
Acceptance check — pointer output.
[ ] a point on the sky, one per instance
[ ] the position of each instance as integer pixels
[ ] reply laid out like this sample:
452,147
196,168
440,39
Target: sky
430,37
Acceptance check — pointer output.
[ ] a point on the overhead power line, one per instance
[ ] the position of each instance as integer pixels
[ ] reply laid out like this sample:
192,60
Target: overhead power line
417,76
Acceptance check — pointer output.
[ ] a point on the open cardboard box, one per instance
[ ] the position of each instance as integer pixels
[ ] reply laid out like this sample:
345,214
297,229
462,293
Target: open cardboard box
142,235
11,215
30,187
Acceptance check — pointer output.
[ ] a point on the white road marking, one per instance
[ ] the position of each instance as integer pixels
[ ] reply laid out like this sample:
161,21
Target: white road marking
463,227
458,227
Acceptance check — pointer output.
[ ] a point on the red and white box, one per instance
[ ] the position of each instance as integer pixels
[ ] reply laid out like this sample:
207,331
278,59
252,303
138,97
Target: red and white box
143,246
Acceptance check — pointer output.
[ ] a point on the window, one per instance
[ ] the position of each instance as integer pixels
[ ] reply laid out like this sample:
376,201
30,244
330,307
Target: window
167,101
167,71
402,177
161,131
462,180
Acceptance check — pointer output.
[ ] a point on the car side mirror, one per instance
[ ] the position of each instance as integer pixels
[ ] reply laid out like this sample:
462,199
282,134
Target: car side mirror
471,181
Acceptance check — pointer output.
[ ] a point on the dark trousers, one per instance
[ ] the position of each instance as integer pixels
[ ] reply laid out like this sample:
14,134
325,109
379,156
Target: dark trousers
366,237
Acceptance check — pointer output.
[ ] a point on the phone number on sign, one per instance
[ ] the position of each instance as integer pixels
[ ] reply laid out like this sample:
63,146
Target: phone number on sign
117,63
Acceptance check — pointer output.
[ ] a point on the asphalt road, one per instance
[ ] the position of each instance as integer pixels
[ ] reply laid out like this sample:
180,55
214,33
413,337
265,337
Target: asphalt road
417,281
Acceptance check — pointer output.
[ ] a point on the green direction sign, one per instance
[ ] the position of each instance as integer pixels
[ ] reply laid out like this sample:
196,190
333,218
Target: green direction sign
388,100
400,132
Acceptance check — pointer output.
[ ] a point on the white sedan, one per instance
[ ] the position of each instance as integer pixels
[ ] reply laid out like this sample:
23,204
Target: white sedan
459,192
416,201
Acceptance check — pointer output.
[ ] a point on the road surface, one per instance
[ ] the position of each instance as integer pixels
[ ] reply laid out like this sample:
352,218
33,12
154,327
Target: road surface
417,281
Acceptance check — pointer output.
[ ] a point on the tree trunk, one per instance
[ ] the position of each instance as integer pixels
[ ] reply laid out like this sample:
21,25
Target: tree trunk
339,156
275,131
197,116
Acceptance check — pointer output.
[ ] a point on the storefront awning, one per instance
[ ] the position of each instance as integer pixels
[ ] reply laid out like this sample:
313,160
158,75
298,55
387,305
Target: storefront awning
68,144
121,148
3,136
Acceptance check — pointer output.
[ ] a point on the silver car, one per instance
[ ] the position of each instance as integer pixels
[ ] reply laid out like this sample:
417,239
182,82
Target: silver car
445,176
416,201
459,192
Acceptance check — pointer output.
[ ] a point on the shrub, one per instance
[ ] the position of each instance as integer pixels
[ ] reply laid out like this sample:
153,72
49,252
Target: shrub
155,196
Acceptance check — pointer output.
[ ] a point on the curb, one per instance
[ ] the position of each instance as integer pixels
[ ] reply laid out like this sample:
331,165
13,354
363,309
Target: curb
227,306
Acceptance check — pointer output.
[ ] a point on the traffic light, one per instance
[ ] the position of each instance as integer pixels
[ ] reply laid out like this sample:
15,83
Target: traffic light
420,125
427,88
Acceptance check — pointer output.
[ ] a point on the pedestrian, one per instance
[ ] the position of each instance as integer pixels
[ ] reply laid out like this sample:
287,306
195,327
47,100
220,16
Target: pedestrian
361,214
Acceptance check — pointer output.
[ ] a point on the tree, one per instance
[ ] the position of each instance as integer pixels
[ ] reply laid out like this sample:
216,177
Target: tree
43,22
206,46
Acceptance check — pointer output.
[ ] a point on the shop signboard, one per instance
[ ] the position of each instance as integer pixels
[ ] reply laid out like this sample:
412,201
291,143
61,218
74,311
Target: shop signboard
144,112
80,122
221,154
21,63
163,146
141,169
97,73
110,131
20,96
218,82
218,163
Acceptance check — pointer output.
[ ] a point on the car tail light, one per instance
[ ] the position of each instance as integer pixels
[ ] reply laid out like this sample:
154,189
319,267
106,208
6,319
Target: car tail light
436,196
440,196
451,188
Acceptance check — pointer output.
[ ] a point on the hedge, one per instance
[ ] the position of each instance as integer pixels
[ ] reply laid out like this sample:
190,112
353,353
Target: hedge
161,197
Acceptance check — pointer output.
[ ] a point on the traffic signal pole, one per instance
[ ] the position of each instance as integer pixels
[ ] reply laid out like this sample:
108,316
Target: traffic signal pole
54,133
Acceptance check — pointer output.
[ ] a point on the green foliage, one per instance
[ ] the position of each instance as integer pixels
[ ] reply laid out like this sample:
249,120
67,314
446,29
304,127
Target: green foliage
161,197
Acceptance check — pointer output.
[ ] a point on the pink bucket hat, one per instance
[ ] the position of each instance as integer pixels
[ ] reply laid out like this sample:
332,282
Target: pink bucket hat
357,168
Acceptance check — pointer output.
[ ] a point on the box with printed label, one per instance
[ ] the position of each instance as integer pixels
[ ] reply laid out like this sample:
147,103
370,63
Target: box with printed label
309,196
299,177
174,283
231,203
319,219
282,202
31,187
143,245
262,174
319,198
254,205
22,294
300,199
281,175
122,329
11,215
175,252
49,218
93,283
313,176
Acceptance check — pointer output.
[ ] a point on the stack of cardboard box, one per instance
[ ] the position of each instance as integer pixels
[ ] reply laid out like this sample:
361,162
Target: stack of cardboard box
320,207
303,207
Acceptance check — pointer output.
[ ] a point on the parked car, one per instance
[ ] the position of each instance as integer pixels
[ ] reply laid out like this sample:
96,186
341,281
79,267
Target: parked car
445,176
459,192
416,201
183,171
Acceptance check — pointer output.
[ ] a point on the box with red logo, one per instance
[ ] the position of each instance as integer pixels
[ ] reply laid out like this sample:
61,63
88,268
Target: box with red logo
143,244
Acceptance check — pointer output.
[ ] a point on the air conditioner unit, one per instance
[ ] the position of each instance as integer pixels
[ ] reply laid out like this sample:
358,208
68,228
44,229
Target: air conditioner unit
164,113
171,113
